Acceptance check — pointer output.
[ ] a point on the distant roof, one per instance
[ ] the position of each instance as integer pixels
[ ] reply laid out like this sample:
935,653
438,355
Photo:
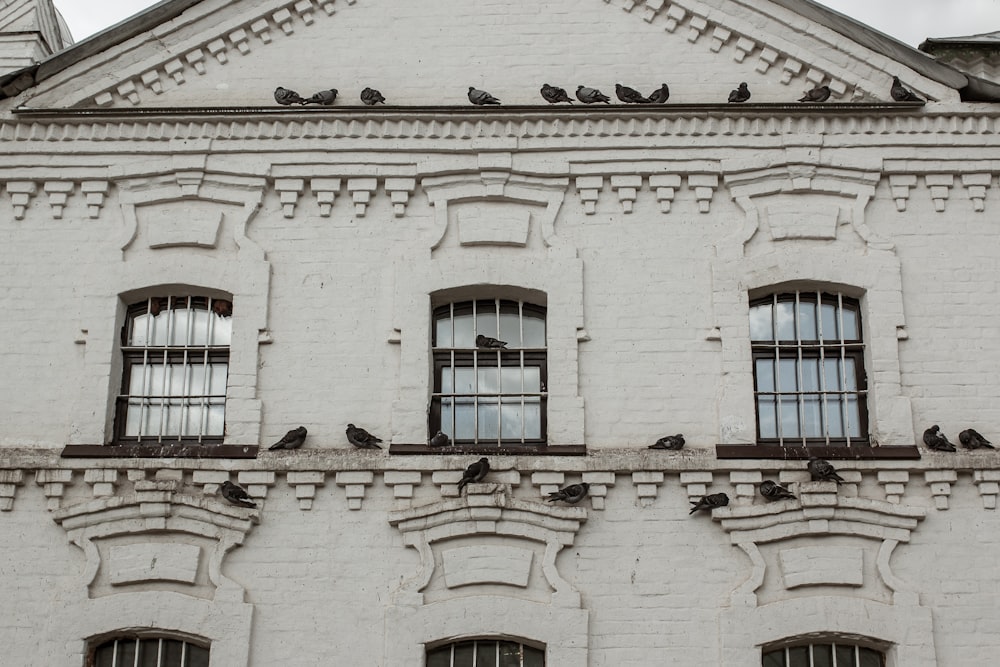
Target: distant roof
985,39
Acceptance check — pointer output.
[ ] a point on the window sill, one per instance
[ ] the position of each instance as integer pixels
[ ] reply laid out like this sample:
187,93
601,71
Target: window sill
517,450
160,451
899,453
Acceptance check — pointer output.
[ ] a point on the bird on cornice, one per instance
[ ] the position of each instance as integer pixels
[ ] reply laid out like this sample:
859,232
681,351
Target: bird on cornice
285,96
709,502
901,93
481,97
591,95
818,94
630,95
554,94
741,94
323,98
660,95
371,97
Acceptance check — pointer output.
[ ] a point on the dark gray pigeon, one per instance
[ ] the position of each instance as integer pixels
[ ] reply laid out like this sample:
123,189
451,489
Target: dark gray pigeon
285,96
362,438
901,93
571,494
591,95
818,94
481,97
669,442
772,491
741,94
973,439
709,502
486,341
323,98
371,97
236,495
292,440
630,95
936,440
660,95
440,439
555,94
474,473
822,471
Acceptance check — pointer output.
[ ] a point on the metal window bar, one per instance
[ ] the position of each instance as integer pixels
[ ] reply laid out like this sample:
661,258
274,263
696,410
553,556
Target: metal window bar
119,657
475,653
855,655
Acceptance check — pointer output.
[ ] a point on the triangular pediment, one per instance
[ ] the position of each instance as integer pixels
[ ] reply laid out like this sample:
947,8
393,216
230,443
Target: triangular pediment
219,53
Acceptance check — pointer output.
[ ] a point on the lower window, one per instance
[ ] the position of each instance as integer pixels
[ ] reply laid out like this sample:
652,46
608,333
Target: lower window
486,653
824,655
148,652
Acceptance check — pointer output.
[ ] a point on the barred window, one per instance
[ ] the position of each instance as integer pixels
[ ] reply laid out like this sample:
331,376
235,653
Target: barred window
175,368
486,653
149,652
809,375
823,655
489,395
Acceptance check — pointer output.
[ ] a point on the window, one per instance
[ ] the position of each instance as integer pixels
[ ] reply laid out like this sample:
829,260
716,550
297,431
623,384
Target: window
489,396
823,655
148,652
486,653
176,364
809,376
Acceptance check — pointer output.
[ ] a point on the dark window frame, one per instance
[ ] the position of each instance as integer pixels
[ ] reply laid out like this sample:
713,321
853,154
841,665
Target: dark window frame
780,656
453,647
147,638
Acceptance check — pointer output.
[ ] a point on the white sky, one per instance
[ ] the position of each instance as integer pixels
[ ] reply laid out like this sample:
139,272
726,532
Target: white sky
910,21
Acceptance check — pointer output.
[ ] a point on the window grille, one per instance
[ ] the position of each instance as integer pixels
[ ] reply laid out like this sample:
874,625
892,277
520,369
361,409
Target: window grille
176,366
149,652
486,653
823,655
488,396
809,377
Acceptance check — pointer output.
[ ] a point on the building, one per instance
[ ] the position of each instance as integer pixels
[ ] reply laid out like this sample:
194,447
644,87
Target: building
190,270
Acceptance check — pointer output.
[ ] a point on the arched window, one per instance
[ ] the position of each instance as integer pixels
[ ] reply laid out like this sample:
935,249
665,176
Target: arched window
823,655
148,652
489,395
486,653
175,368
809,374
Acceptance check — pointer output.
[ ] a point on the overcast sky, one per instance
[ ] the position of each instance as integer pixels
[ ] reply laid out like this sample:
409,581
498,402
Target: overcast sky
910,21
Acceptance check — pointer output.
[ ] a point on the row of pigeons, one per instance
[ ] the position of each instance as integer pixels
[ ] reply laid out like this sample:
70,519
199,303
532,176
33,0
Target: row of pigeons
585,94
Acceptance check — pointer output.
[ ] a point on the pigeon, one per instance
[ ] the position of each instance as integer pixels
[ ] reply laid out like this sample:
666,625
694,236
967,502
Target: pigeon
972,439
900,93
371,97
591,95
822,471
630,95
222,308
236,495
285,96
481,97
571,494
772,491
474,473
669,442
440,439
818,94
486,341
709,502
660,95
324,98
741,94
362,438
554,94
292,440
935,440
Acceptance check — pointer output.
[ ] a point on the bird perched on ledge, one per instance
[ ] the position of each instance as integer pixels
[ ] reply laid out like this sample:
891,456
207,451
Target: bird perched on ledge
362,438
660,95
591,95
741,94
481,97
571,494
292,440
901,93
936,440
972,439
822,471
488,342
474,473
439,439
285,96
554,94
630,95
236,495
818,94
371,97
323,98
709,502
772,491
674,442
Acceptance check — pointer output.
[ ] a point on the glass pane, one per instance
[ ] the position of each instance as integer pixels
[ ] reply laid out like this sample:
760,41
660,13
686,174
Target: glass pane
197,656
200,324
534,657
464,654
105,655
175,380
850,375
197,381
807,321
126,653
486,654
774,659
216,418
179,334
784,316
510,654
447,379
465,419
870,658
447,415
853,417
831,369
135,384
767,419
440,657
159,330
510,380
489,380
174,417
465,380
789,409
761,323
510,329
532,379
149,653
217,384
489,419
534,331
464,335
138,334
765,374
171,653
512,425
787,375
852,324
132,418
798,656
831,331
442,332
845,656
155,376
812,413
810,374
822,655
486,320
193,417
533,418
151,418
834,417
